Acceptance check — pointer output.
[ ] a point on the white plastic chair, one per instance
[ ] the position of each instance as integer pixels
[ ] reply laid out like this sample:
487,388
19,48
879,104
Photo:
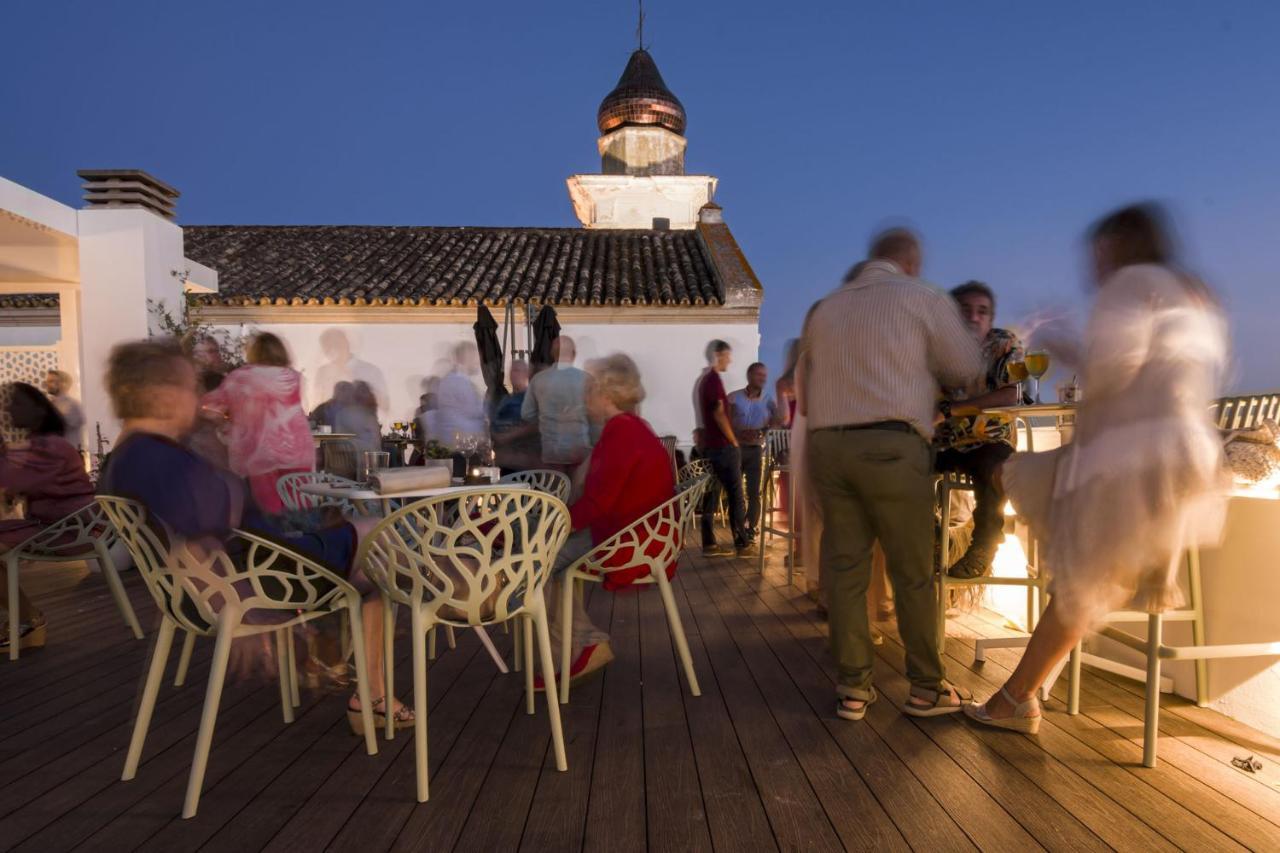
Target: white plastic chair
289,488
544,480
85,534
209,594
777,461
652,542
470,559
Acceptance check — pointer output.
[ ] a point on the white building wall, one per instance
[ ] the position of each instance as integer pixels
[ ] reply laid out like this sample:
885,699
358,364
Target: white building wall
405,355
30,336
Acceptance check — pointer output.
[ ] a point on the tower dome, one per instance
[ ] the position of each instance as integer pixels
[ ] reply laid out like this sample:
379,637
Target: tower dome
641,99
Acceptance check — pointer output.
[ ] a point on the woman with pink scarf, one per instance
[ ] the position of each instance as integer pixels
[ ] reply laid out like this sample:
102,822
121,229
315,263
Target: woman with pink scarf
268,435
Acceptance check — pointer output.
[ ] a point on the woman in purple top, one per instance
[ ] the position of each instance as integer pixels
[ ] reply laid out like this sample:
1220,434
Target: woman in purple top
49,473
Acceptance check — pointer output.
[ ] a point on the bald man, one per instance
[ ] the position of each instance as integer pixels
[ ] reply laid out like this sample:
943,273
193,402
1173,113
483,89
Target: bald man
556,400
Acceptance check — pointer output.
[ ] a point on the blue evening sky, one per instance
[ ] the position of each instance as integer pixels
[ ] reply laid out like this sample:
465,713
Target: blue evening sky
1000,129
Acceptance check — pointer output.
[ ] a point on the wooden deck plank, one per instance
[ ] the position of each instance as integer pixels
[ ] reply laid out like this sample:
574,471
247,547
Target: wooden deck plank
616,811
557,816
676,814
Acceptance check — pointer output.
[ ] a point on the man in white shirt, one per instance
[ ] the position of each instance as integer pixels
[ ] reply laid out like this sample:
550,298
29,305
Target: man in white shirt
56,384
557,401
875,354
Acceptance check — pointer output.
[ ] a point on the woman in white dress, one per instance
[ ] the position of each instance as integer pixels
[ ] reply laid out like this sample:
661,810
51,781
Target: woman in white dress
1143,478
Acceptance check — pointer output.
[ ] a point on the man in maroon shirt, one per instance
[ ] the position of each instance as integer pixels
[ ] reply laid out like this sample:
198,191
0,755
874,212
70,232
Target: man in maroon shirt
720,448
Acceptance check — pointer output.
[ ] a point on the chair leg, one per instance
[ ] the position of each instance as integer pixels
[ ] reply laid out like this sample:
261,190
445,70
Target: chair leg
184,660
566,635
155,674
293,669
431,643
524,633
677,631
1197,625
549,679
449,636
282,667
942,614
108,568
389,661
1151,721
362,678
345,636
208,717
1073,680
15,623
420,703
517,648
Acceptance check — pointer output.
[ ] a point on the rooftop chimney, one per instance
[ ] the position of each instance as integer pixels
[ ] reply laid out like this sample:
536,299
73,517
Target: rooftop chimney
127,188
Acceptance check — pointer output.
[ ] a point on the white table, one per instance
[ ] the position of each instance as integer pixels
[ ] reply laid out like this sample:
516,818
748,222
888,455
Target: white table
328,490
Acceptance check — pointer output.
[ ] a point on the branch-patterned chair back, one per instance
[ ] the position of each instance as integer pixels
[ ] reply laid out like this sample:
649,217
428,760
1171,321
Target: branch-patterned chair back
73,537
670,443
192,586
693,470
651,542
1246,412
777,443
340,458
544,480
289,487
473,557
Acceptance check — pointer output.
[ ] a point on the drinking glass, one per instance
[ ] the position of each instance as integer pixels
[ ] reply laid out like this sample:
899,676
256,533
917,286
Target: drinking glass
1018,373
371,461
1037,366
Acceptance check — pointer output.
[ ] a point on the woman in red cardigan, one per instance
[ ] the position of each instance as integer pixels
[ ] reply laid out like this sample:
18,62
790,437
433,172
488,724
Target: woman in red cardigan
629,474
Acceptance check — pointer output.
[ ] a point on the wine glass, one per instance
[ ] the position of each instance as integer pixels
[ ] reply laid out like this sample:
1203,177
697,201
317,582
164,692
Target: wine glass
1037,366
1018,373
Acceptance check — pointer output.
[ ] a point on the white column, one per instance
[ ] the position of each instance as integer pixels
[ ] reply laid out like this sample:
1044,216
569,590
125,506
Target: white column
69,347
127,256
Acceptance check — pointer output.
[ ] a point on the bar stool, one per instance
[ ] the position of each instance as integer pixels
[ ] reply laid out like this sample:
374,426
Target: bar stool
777,449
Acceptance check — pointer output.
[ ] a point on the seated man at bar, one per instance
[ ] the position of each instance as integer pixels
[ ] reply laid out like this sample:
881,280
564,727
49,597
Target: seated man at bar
974,444
153,391
752,413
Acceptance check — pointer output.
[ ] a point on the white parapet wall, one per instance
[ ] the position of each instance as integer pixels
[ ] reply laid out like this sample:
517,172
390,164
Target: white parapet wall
398,358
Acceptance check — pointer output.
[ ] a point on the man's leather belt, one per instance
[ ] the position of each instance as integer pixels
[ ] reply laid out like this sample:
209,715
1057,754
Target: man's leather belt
750,436
890,426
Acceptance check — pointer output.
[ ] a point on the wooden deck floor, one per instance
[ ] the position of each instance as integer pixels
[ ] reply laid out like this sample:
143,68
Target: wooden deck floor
757,762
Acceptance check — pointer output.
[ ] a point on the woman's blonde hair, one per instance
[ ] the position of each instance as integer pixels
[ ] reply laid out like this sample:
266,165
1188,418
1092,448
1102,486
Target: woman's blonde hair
266,348
617,378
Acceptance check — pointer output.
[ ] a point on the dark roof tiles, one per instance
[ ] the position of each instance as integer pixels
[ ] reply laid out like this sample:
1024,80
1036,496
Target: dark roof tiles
394,265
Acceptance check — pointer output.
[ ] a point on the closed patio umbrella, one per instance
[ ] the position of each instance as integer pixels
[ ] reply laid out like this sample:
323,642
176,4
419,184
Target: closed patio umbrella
546,328
491,368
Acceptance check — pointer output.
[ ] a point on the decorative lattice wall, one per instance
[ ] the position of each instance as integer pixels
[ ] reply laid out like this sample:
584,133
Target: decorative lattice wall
22,364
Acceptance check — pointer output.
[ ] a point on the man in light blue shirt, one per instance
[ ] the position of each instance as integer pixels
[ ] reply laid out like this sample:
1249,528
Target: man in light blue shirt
752,414
557,401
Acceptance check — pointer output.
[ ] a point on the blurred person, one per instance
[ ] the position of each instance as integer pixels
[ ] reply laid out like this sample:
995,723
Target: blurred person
359,417
57,384
629,474
1143,478
48,472
876,350
326,414
556,402
720,447
207,355
154,391
975,444
343,366
752,414
459,412
208,437
515,442
267,434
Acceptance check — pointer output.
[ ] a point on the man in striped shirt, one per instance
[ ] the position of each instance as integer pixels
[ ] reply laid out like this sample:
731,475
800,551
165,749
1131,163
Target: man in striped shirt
875,353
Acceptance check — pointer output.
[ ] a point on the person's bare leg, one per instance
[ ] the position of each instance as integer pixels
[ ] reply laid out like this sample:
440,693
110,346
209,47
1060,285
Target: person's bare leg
1051,641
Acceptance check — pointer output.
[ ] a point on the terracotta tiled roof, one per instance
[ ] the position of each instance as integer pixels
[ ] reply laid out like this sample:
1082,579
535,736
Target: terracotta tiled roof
393,265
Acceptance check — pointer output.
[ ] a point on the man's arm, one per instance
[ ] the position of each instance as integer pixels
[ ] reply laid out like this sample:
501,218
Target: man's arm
722,420
529,407
954,356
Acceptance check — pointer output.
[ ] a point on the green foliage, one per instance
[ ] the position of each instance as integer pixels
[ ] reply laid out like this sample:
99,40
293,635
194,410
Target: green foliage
188,330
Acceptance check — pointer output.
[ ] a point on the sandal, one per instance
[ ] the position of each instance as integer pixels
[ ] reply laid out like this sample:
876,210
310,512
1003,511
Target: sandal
31,635
591,659
939,702
402,717
1021,721
844,712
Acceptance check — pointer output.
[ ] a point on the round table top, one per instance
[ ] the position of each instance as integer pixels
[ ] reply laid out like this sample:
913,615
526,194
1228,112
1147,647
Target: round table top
328,490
